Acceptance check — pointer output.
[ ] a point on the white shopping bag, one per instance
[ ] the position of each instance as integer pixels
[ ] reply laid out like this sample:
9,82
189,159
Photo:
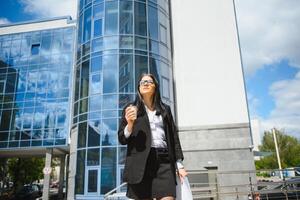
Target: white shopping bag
183,191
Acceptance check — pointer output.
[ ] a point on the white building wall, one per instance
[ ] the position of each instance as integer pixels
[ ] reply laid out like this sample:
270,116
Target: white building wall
256,136
59,22
207,66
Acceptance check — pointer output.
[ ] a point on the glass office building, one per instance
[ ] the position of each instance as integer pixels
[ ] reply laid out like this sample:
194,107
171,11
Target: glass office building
35,81
117,41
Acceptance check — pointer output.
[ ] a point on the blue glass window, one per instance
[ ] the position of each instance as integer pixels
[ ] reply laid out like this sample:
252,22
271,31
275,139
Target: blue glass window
97,45
96,64
98,11
108,169
109,132
111,17
153,22
87,25
126,17
126,82
163,33
97,27
140,19
35,49
110,73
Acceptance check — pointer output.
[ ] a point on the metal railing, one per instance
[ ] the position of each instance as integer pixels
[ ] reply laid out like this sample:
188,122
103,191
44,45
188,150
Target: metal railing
235,185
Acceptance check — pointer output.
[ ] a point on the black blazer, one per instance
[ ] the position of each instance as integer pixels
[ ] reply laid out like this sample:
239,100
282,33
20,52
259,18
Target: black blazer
139,144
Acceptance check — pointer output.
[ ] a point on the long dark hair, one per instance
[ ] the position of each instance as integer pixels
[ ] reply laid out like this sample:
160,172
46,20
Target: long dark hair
157,102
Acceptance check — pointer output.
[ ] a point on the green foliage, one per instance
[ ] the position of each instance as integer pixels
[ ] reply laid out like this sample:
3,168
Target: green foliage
289,150
25,170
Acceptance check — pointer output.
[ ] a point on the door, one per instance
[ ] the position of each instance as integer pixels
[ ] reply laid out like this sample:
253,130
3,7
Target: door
92,181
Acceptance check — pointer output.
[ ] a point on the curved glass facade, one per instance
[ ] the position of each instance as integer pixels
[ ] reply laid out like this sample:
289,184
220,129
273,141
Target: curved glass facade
117,41
35,82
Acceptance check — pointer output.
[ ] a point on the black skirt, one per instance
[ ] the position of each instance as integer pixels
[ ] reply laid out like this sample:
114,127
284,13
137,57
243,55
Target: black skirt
158,180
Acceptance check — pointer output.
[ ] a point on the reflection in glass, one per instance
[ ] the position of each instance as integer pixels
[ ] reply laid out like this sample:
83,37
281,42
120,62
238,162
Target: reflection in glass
108,169
97,27
109,132
97,45
126,17
96,64
110,73
141,43
110,102
126,81
87,25
111,42
153,22
98,11
111,17
93,180
140,19
126,42
94,133
84,83
96,84
93,157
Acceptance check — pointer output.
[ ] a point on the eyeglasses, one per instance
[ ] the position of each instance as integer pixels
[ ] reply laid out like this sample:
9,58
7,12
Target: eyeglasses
144,82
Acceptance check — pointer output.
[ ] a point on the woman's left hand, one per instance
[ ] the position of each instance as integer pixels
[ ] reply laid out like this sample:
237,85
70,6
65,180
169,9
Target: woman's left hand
182,173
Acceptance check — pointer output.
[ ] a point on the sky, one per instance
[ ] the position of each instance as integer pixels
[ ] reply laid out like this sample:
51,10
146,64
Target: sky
269,33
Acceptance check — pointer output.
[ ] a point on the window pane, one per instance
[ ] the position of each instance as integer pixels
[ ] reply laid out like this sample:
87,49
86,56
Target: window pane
94,134
96,84
126,42
153,22
140,19
109,132
126,17
98,11
110,74
95,103
84,79
93,180
97,45
108,169
163,34
141,43
87,25
111,42
35,49
96,65
110,102
97,27
111,17
93,156
126,82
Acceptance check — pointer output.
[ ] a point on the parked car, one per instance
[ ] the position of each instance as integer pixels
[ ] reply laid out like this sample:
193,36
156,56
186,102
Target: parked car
289,189
28,192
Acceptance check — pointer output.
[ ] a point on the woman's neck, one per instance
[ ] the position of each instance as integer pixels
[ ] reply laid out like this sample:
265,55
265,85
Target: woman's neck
149,103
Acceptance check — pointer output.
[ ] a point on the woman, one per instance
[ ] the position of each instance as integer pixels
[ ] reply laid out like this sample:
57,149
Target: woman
154,153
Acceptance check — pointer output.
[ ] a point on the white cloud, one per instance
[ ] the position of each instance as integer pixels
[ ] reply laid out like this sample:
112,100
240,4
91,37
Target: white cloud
286,114
50,8
4,21
269,32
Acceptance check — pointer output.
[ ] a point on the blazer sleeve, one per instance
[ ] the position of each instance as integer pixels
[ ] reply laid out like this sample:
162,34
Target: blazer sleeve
122,139
177,146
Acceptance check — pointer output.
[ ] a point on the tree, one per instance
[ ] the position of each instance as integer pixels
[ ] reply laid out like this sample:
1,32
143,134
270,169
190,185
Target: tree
25,170
289,151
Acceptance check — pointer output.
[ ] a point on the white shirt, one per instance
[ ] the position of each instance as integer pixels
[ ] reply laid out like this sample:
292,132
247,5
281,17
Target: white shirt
157,132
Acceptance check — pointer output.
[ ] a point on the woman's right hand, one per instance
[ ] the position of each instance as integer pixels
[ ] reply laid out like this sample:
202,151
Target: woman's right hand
130,116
